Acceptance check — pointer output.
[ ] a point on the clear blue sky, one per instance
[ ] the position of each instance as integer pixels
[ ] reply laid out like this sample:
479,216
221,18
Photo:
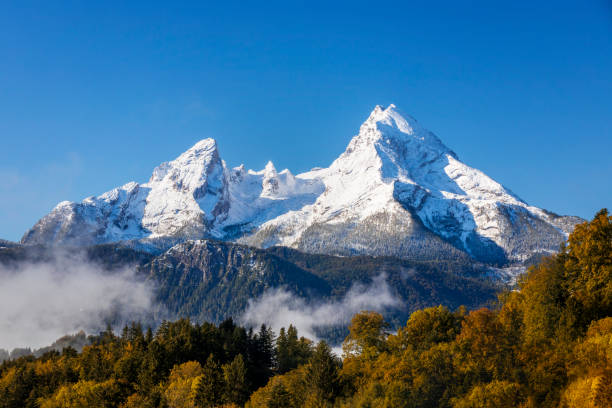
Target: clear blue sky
93,96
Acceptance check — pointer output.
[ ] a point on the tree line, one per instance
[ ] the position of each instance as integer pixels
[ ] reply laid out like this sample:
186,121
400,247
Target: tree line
546,344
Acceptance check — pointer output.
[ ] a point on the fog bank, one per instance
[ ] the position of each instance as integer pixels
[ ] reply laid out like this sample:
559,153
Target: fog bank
40,302
279,308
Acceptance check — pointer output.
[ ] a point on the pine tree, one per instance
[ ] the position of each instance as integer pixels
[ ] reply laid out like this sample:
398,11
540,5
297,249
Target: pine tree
262,356
208,388
236,382
322,373
291,352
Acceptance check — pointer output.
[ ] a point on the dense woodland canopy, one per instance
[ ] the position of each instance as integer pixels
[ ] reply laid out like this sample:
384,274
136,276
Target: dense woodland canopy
546,344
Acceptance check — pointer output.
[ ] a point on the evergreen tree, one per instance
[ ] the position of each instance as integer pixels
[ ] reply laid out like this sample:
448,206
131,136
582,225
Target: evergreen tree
208,388
262,356
291,352
283,356
236,381
322,373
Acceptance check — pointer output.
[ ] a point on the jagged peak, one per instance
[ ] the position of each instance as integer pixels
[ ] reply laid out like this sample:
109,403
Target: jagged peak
270,167
397,128
392,116
239,169
393,164
286,172
269,171
130,186
237,173
64,204
205,144
202,150
376,112
192,166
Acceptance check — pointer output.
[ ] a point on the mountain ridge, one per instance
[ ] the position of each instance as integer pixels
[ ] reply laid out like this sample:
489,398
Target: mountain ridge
396,190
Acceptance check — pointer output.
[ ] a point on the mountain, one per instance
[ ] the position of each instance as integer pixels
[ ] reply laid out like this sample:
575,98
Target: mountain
209,280
213,280
397,190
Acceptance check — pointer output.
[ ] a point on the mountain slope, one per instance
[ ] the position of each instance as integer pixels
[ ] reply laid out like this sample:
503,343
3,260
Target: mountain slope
213,280
397,190
397,183
209,280
181,199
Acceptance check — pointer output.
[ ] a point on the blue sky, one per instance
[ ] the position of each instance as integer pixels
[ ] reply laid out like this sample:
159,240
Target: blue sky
93,96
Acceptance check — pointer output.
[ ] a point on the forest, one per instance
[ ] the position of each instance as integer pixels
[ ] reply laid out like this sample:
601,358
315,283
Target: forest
547,343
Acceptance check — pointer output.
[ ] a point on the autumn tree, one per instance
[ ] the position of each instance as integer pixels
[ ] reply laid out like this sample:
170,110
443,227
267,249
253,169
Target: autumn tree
179,392
367,335
428,327
496,394
588,269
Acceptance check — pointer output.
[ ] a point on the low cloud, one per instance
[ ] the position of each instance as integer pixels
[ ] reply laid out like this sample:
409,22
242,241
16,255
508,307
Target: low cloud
40,302
279,308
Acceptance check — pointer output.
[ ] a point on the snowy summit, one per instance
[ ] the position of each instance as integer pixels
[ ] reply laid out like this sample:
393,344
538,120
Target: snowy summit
396,190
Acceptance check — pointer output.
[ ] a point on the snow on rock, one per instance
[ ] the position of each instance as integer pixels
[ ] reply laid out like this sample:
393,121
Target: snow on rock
396,190
397,171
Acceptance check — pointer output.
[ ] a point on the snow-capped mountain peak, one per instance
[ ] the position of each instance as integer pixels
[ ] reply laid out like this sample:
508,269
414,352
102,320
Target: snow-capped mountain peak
390,125
396,190
190,169
188,194
391,117
392,144
270,169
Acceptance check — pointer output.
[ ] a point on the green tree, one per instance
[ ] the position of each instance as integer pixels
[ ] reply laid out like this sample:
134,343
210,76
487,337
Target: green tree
236,381
291,352
322,373
208,387
262,356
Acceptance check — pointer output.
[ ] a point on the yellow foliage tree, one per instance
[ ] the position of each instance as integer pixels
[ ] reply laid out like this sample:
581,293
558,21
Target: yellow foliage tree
497,394
85,394
178,392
